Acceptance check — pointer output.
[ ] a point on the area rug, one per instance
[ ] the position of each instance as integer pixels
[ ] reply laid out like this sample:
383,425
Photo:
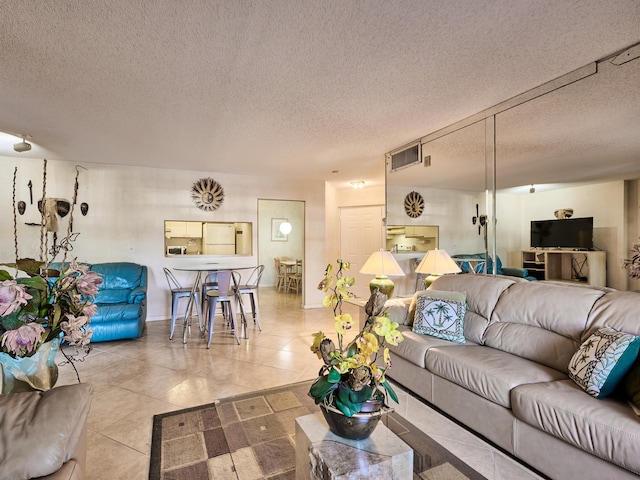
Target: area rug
252,437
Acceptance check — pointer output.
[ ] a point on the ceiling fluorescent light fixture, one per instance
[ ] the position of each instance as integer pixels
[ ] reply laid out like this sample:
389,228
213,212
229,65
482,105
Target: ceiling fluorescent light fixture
357,184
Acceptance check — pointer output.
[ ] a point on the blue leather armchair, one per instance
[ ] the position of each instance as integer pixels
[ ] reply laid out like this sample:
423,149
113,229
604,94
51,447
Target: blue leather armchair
121,301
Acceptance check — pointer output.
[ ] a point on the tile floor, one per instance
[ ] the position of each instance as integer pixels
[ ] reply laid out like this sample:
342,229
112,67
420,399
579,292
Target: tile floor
136,379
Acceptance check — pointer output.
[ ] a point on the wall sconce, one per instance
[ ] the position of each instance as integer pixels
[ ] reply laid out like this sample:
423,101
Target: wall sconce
357,184
436,263
382,264
532,189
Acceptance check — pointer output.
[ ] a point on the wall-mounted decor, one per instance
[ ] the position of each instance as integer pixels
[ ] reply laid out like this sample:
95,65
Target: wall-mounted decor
414,204
276,233
207,194
21,207
84,208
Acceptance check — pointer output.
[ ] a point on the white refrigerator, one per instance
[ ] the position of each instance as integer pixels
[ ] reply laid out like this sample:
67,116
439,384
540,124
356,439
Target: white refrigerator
219,238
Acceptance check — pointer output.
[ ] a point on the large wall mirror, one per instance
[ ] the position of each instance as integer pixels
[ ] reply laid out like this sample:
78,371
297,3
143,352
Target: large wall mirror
207,238
573,144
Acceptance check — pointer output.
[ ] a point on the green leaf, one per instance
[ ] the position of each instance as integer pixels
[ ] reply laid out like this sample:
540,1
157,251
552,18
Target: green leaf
4,275
361,396
334,376
390,391
347,408
321,388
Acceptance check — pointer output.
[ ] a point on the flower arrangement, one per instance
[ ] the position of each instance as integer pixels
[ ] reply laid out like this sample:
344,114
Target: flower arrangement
633,264
39,308
46,304
350,376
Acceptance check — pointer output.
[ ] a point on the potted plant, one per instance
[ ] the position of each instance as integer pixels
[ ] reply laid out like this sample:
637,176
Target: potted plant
351,387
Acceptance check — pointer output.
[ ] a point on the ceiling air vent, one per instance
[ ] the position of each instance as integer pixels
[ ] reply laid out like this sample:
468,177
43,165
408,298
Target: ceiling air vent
404,157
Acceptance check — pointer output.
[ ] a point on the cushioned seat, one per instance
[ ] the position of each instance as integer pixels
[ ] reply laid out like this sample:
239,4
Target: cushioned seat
606,428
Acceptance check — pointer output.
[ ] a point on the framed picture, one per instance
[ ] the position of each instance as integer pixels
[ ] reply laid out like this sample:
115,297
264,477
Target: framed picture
276,234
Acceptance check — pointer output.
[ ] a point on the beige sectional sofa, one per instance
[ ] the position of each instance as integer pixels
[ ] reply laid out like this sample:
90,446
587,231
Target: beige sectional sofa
509,381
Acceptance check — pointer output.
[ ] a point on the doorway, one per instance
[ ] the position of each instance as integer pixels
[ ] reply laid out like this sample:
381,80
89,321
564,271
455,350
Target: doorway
272,242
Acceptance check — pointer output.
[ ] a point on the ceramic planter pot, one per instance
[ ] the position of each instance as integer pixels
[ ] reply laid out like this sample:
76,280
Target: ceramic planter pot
38,372
357,427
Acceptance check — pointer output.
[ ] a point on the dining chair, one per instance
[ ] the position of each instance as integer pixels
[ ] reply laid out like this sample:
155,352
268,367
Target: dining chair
281,275
250,288
210,283
178,292
224,294
295,278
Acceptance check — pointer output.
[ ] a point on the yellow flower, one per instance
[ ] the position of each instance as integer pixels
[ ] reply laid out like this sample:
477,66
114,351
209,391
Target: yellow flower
368,344
378,374
317,340
388,329
330,301
387,357
345,364
343,324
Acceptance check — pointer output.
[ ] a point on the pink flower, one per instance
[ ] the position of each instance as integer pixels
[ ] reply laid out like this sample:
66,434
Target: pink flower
89,309
24,339
74,331
88,283
12,296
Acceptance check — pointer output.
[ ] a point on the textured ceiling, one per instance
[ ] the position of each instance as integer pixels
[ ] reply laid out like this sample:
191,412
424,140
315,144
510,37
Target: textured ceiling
285,88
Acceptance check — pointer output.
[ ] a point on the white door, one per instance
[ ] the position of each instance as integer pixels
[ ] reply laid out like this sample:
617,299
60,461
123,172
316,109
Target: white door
361,234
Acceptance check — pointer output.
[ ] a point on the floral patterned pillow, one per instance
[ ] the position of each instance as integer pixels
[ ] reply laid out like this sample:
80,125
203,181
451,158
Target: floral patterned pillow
603,360
441,314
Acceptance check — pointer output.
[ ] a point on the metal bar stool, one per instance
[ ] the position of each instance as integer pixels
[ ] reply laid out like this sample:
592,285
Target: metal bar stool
178,292
225,294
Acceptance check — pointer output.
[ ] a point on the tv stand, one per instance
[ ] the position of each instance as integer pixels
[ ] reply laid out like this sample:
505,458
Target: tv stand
573,266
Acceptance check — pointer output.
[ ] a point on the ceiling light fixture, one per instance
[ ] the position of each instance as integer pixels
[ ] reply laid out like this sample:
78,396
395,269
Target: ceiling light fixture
22,146
532,189
357,184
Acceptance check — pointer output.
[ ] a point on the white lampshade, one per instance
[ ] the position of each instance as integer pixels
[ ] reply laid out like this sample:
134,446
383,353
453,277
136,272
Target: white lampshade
382,264
437,262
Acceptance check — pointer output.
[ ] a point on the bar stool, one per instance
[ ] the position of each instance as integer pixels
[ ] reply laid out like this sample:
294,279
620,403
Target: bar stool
225,294
178,292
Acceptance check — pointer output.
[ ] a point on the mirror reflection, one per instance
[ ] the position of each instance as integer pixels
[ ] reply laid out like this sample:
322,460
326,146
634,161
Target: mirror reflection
207,238
411,238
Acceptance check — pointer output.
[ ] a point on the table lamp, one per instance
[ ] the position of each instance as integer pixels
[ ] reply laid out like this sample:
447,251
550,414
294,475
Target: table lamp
436,263
381,264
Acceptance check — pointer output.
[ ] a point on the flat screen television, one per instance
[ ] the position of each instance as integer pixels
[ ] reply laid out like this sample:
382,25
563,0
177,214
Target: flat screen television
576,233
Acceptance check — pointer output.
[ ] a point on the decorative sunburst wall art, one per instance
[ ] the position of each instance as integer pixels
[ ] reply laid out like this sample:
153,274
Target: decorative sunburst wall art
207,194
414,204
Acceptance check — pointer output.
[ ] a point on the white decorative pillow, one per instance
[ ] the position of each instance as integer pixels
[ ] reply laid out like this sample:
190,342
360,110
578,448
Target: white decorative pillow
603,360
440,314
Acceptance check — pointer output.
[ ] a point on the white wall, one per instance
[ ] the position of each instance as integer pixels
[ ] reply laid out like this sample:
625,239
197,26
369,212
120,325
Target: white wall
127,209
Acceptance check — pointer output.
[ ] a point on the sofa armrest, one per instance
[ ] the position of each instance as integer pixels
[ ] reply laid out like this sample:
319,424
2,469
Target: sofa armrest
41,431
138,294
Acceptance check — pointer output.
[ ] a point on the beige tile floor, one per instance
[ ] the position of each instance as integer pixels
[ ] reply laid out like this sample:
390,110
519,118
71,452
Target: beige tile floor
136,379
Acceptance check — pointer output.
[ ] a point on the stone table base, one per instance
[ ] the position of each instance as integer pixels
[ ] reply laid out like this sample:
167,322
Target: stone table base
321,455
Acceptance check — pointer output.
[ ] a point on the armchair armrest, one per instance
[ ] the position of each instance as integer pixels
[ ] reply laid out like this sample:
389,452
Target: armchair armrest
515,272
137,295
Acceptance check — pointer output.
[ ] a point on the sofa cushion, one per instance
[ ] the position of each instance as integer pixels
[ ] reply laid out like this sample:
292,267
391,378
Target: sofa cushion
414,347
118,275
120,312
487,372
483,293
603,360
616,310
542,322
605,427
440,314
39,430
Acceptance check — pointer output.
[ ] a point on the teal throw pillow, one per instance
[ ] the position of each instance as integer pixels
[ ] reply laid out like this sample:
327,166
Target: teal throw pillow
603,360
441,314
630,387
